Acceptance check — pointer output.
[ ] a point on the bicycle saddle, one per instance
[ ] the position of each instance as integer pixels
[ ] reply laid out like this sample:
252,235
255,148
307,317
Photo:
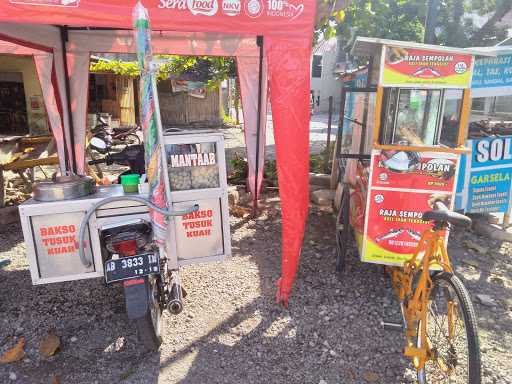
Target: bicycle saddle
443,214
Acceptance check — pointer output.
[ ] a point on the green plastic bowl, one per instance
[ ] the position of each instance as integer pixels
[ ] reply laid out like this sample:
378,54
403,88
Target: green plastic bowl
130,183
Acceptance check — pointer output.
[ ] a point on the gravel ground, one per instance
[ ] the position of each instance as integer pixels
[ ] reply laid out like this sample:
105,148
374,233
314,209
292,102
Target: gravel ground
231,331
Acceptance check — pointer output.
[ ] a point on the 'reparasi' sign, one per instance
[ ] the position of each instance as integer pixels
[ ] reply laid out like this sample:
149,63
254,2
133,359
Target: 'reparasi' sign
421,68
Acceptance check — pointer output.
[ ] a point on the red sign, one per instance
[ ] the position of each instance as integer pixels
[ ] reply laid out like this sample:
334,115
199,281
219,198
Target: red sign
414,170
403,186
283,18
395,224
59,239
418,67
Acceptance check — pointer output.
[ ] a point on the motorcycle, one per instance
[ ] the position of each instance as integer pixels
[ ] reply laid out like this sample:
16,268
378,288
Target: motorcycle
131,156
132,258
115,136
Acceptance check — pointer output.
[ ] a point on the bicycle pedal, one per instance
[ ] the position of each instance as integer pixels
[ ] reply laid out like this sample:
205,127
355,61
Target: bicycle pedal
392,326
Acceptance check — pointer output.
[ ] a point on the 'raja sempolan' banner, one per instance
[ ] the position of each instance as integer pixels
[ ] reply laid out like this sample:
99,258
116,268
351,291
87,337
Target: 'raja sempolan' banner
418,67
403,186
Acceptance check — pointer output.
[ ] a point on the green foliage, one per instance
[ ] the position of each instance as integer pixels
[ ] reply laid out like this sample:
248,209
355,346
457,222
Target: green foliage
405,19
270,173
210,70
457,30
228,120
389,19
317,163
115,66
239,170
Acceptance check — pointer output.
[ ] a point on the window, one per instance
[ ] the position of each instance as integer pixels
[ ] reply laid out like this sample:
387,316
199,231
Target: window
316,69
451,117
419,117
478,104
503,104
415,115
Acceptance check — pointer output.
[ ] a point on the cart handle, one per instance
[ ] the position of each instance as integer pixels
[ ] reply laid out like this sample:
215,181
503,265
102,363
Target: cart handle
354,156
388,147
85,221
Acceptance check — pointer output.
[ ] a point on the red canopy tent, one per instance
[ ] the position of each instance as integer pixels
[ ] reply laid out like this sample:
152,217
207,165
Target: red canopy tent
45,64
281,30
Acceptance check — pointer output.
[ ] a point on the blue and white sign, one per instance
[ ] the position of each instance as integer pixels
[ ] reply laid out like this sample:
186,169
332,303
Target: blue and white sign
485,178
492,72
492,76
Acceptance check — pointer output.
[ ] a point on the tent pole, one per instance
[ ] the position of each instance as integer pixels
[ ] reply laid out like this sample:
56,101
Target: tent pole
259,42
64,39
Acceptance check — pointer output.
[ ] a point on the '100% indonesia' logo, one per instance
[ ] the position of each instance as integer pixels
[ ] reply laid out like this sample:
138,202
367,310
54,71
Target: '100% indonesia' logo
252,8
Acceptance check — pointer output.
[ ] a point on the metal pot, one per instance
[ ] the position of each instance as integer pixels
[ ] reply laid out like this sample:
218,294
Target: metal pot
64,188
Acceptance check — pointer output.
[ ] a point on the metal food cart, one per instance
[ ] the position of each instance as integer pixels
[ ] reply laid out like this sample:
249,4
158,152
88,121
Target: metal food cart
399,158
197,174
401,136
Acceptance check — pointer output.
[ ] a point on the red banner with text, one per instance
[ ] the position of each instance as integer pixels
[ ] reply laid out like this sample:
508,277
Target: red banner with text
418,67
404,185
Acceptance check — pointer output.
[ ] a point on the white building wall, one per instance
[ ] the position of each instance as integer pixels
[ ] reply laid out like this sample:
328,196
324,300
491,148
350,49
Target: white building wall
328,84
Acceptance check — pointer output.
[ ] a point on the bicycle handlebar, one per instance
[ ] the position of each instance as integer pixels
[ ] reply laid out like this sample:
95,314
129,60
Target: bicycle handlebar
440,206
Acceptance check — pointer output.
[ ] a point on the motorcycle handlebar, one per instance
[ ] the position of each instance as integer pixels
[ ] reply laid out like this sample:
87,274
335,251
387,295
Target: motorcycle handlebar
97,161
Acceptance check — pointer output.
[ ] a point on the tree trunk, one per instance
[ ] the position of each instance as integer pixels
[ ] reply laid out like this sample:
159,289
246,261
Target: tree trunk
237,102
454,29
501,10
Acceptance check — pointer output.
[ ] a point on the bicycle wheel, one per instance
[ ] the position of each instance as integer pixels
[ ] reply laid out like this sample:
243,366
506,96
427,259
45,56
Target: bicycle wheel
452,334
342,231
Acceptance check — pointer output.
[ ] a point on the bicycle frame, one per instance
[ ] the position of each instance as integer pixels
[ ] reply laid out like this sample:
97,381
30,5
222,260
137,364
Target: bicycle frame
414,302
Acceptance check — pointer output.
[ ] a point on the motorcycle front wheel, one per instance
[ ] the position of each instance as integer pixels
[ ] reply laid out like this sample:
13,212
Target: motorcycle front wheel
149,327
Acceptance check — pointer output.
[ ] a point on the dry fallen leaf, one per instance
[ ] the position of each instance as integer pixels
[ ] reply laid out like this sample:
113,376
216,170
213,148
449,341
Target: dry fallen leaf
49,345
16,353
55,380
371,377
238,211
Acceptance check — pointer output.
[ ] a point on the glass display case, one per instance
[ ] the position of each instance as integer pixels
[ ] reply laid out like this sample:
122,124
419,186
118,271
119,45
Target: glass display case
196,168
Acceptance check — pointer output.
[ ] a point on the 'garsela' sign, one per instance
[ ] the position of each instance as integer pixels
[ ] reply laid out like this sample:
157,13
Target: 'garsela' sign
486,176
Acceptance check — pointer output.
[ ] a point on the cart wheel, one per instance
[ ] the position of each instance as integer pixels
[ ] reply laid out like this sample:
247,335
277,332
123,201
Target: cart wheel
343,231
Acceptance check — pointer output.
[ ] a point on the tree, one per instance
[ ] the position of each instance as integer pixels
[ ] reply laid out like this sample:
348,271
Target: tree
459,29
405,19
208,69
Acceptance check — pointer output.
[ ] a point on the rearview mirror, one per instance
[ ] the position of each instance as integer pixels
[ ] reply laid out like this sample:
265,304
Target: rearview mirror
98,144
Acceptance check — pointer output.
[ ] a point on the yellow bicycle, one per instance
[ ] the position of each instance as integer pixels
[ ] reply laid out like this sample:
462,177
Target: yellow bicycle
439,318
